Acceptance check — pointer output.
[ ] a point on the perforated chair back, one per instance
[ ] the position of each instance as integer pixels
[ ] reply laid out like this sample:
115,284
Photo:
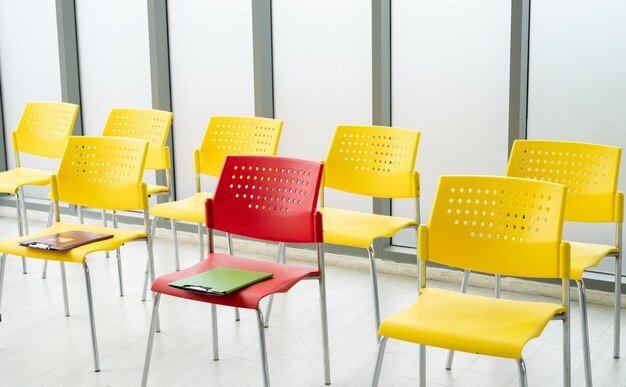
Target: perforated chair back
102,172
498,225
44,128
589,171
373,160
271,198
149,125
236,136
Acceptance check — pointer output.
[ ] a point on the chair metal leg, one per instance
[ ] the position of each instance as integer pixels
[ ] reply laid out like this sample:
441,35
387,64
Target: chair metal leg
3,260
498,285
105,224
44,272
94,340
216,343
66,302
50,220
280,258
153,322
422,369
523,377
266,371
584,326
24,223
370,253
175,240
618,298
146,280
231,251
324,318
464,282
150,271
379,360
20,227
201,242
118,256
50,214
81,218
567,359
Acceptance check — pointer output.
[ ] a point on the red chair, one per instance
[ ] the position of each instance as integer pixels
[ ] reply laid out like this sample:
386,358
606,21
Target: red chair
262,197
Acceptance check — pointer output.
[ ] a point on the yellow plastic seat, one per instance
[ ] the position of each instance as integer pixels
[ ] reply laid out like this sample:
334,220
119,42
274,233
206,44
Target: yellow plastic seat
97,172
497,225
185,210
351,228
12,180
586,255
77,254
42,131
224,136
480,325
376,161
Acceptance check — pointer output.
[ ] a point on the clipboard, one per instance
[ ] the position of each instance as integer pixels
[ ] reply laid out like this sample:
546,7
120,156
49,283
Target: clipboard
220,280
63,241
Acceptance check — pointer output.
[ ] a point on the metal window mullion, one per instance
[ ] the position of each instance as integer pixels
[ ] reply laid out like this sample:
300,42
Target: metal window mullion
518,81
160,81
3,149
68,58
381,91
263,58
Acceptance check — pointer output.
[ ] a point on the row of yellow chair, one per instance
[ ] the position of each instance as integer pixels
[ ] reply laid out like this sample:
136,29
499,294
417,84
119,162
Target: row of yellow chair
379,161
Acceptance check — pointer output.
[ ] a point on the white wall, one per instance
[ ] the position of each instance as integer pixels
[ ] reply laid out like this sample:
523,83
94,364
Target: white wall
450,80
322,76
577,84
212,73
29,69
114,58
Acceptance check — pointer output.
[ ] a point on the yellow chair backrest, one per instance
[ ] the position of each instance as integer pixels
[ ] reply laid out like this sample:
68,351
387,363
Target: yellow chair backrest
149,125
44,128
102,172
500,225
589,171
372,160
236,136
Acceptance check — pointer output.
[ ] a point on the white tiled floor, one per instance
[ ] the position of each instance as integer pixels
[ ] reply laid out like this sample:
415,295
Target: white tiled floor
41,347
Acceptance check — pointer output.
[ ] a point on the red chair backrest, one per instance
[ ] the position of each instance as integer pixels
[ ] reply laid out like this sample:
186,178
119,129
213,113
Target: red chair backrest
266,197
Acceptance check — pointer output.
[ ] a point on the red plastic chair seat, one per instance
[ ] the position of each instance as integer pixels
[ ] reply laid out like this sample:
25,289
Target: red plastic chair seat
285,277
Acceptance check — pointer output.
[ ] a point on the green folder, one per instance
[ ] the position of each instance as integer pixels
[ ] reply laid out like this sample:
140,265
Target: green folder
220,281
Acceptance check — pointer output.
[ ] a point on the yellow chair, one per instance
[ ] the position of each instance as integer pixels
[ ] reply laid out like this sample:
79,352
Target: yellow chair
224,136
590,172
42,131
374,161
98,172
149,125
497,225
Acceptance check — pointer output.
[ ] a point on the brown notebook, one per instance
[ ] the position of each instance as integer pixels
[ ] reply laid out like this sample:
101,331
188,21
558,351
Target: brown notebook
64,240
